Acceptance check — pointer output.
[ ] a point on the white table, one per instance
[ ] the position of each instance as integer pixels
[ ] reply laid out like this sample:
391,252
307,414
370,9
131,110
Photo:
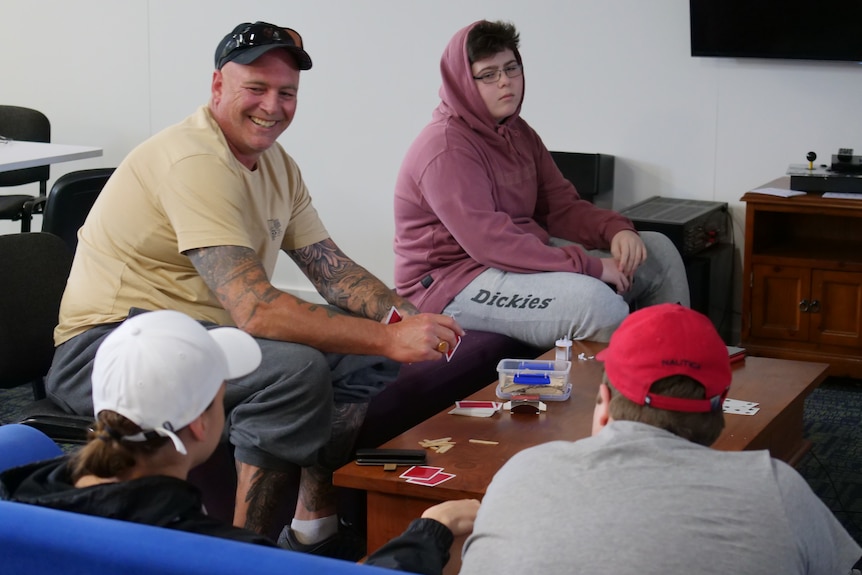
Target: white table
17,154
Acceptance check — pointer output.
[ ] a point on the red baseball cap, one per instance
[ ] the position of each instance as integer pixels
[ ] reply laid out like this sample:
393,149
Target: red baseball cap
663,340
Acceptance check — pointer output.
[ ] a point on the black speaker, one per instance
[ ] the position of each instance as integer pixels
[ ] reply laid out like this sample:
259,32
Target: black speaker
592,175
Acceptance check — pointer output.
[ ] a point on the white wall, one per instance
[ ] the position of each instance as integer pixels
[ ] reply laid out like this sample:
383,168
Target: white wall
610,76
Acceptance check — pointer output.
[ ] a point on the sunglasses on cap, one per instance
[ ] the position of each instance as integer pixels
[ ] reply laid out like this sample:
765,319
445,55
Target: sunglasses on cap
262,34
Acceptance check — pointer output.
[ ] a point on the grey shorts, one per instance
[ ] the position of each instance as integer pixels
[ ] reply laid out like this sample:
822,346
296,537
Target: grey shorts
278,416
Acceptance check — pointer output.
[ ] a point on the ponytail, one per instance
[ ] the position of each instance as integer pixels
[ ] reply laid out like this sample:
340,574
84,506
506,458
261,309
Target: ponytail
108,453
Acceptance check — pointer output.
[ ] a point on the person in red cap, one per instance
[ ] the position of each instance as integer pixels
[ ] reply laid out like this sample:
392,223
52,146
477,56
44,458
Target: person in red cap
645,494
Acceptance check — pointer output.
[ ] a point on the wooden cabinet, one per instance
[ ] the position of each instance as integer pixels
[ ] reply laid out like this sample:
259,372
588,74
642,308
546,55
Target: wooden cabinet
802,273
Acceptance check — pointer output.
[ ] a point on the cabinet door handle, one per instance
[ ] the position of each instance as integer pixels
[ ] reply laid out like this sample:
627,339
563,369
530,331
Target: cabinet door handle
804,306
815,306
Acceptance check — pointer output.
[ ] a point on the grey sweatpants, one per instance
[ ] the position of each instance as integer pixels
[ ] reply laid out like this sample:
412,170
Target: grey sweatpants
279,415
540,308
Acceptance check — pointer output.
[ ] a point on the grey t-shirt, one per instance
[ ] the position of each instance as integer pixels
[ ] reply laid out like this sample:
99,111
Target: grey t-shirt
635,499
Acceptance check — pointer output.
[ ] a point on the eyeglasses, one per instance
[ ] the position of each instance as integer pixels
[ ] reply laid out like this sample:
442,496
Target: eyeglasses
493,76
260,34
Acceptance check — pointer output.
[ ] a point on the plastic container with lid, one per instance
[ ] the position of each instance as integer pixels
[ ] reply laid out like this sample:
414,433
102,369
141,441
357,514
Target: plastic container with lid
548,379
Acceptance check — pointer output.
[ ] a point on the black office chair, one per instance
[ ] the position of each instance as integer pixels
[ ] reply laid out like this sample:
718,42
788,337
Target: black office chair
35,268
17,123
69,202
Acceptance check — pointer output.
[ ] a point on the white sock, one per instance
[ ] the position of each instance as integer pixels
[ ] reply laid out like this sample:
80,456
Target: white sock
308,531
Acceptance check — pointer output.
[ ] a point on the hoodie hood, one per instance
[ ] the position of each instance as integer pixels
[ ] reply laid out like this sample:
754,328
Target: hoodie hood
459,94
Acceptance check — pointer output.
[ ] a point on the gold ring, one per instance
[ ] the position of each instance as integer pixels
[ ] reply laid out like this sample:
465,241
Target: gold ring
442,346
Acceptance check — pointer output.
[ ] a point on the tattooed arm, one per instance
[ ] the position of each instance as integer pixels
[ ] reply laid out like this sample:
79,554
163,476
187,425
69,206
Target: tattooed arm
237,278
346,284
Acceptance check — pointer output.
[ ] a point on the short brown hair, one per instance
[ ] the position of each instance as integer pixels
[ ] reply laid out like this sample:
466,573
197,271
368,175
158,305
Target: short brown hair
488,38
701,428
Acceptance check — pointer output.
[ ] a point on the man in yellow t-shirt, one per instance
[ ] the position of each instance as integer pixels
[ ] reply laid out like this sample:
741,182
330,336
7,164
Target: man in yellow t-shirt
193,220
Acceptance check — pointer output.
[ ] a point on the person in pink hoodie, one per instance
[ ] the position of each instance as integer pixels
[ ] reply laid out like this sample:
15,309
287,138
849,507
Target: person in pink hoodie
489,231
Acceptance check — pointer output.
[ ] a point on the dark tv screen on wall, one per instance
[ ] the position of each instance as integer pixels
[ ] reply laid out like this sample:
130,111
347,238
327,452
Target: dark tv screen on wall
790,29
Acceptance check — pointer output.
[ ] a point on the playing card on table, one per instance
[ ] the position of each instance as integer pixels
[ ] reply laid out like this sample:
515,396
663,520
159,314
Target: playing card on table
435,480
476,408
473,404
421,472
740,407
473,411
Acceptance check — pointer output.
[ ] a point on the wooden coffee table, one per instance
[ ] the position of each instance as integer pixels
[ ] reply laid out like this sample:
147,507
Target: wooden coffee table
779,386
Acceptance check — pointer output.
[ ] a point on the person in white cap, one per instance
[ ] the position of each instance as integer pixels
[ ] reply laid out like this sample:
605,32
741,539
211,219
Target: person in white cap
645,495
158,387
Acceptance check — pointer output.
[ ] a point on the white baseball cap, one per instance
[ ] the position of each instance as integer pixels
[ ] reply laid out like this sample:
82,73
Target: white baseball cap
162,369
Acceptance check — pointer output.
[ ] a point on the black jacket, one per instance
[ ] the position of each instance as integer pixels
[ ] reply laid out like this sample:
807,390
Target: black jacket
176,504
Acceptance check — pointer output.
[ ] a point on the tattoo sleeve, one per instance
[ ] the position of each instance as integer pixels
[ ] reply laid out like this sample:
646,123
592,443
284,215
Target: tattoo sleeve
237,278
342,282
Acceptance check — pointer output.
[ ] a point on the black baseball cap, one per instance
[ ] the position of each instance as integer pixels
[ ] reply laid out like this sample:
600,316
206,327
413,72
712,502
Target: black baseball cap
248,42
